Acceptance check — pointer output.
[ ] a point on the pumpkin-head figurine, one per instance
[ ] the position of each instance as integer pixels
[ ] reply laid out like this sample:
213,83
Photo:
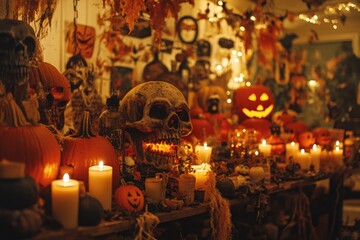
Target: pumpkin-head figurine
253,102
306,139
129,198
322,136
156,116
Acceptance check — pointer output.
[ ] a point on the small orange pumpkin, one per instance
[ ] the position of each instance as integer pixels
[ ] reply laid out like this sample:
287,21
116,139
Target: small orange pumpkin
129,198
34,145
85,149
306,140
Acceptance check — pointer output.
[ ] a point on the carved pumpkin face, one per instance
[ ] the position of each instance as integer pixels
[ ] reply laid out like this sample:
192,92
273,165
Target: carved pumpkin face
322,136
85,41
306,139
254,102
129,198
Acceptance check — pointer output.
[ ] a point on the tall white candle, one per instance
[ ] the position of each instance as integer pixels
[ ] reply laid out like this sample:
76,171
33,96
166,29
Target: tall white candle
303,158
203,153
265,148
315,154
338,156
187,187
100,184
65,201
202,176
292,149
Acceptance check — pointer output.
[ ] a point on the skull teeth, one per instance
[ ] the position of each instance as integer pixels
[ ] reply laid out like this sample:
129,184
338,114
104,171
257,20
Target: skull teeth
161,152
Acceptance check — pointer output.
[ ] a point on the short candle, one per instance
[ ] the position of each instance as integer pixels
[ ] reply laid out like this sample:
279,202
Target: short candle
100,184
65,201
265,148
315,154
203,153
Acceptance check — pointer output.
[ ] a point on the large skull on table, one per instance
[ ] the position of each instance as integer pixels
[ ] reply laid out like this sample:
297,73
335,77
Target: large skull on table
17,48
156,116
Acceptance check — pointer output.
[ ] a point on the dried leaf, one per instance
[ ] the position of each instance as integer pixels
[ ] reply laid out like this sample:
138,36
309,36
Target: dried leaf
131,10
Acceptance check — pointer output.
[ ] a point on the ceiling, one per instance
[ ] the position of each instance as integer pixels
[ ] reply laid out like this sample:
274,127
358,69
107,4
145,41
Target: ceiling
279,8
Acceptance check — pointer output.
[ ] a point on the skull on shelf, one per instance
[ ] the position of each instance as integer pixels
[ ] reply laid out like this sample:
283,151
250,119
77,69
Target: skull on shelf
156,116
17,49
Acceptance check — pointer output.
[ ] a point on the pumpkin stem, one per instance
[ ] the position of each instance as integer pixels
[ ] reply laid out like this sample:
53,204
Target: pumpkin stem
11,114
85,128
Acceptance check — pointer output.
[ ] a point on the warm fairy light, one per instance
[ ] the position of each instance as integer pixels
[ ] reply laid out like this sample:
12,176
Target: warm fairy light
253,18
256,153
229,100
248,84
220,3
242,28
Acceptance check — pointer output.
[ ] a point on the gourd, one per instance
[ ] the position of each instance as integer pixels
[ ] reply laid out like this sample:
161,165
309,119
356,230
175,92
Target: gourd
85,149
18,193
33,145
256,174
19,223
91,212
129,198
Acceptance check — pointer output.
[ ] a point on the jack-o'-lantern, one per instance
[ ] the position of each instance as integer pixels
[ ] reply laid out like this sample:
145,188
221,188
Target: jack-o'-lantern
129,198
322,136
84,42
306,139
254,102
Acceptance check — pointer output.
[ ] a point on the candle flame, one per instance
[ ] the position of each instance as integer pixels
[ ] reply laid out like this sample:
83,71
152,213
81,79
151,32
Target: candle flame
302,151
256,153
66,178
101,164
292,143
314,147
205,145
337,143
337,148
263,142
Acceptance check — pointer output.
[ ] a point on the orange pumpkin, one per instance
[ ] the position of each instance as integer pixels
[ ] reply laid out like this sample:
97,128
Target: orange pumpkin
294,129
129,198
85,149
306,140
34,145
253,102
262,126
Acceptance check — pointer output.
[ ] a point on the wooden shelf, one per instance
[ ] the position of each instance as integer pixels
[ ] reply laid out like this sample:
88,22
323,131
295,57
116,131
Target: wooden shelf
106,228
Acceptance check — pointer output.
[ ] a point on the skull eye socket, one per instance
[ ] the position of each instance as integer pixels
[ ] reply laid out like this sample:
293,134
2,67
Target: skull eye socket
6,41
183,115
159,111
30,44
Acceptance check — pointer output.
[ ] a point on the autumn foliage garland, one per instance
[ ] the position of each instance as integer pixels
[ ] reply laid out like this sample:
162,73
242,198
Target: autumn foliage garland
158,10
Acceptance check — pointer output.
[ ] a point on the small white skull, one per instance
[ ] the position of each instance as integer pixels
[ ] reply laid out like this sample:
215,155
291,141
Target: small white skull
156,116
17,48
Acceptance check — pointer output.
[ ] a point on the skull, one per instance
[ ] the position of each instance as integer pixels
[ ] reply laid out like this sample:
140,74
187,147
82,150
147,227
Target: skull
53,92
17,48
156,116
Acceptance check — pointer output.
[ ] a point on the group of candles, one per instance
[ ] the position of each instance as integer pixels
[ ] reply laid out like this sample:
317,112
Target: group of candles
305,159
65,194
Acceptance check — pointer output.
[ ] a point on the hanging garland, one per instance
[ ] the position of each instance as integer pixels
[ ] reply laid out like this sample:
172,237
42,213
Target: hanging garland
157,10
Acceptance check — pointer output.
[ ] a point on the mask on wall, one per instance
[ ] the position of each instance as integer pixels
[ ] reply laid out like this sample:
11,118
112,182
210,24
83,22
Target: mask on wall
84,42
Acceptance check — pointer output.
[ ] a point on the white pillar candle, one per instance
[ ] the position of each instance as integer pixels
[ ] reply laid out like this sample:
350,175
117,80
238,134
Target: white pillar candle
292,149
203,153
303,158
201,182
65,201
100,184
154,189
187,187
265,148
315,154
338,156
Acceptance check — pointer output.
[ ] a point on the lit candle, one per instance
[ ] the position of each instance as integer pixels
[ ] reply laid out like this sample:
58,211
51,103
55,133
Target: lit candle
265,148
303,158
65,201
187,187
292,149
338,155
202,176
203,153
11,170
154,189
100,184
315,154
